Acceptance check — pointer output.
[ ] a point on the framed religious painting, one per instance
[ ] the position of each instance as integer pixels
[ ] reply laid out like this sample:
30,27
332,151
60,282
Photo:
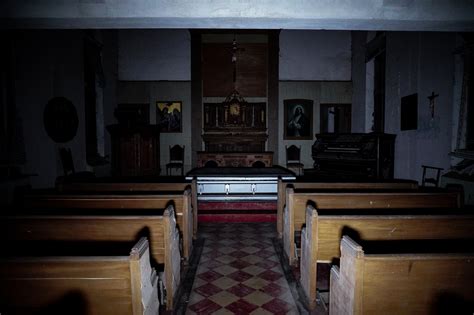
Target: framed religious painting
169,116
298,119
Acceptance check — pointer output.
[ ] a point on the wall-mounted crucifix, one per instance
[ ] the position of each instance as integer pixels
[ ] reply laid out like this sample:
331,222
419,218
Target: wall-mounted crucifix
432,102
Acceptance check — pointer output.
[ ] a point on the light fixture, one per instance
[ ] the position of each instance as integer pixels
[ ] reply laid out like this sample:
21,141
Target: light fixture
234,103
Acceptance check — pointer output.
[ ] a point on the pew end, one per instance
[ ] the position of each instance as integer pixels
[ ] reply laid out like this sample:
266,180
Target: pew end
322,234
400,283
80,284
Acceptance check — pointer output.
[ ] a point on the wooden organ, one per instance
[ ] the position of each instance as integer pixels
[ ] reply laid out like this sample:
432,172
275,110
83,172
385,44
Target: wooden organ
354,155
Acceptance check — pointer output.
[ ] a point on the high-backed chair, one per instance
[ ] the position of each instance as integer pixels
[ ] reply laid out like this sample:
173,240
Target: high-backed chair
431,180
293,154
68,166
176,159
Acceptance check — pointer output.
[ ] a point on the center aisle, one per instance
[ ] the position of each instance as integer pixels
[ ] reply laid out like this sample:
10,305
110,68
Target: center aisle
239,272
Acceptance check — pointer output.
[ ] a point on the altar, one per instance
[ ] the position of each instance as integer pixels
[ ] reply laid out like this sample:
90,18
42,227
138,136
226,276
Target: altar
237,194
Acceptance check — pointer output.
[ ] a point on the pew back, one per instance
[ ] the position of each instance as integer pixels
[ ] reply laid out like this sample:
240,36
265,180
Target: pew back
80,285
322,234
296,202
64,202
160,230
349,186
400,283
104,187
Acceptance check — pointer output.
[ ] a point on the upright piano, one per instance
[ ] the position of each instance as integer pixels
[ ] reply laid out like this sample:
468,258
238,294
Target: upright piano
354,155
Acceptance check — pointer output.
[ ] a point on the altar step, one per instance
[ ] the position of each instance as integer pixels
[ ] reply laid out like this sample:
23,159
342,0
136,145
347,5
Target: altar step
244,211
237,217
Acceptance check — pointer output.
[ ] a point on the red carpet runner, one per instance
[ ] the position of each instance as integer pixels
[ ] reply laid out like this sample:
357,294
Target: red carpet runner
242,211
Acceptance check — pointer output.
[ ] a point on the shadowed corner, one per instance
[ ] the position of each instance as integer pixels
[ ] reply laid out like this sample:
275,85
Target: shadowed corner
73,303
452,303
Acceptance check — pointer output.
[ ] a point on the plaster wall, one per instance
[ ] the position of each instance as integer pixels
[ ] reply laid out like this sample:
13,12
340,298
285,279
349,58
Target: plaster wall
321,92
358,74
305,55
420,63
48,64
153,91
110,66
315,55
154,55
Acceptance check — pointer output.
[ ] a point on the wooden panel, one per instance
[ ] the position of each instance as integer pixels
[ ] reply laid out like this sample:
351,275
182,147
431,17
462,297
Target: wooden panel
252,70
119,187
387,200
135,149
217,69
181,202
330,229
402,185
87,228
54,267
401,283
422,282
236,159
355,201
327,232
80,284
105,201
88,296
375,200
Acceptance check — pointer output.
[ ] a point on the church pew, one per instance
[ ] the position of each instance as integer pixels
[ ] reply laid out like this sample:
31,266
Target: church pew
349,186
410,283
320,238
159,229
296,201
322,186
112,187
114,201
125,284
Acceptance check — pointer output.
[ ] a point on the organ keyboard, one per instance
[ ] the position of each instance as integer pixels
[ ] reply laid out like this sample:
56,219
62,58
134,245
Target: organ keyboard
367,155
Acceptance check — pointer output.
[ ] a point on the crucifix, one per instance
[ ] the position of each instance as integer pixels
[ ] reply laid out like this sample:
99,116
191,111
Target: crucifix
432,102
235,50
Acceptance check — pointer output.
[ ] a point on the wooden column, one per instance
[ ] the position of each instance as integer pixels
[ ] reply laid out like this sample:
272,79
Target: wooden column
196,96
273,92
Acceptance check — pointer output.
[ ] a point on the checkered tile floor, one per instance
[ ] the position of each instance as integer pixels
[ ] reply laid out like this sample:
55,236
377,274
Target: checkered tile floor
239,272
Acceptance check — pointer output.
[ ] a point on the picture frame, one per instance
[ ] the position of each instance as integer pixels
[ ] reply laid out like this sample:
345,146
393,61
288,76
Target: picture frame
169,116
298,119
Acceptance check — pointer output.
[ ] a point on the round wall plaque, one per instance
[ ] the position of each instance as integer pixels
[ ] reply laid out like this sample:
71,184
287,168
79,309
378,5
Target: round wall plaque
60,119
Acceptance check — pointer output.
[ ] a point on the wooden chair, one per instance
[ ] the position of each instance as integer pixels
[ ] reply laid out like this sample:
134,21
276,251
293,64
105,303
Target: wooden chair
293,158
431,180
68,166
176,159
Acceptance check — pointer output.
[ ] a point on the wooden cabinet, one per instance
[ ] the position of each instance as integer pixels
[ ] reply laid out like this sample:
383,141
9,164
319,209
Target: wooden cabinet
135,150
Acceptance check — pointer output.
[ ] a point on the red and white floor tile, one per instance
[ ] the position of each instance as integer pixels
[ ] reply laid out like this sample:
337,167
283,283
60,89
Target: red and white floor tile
239,272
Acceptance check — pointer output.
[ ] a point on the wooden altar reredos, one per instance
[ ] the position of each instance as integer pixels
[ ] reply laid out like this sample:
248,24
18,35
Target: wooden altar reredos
235,135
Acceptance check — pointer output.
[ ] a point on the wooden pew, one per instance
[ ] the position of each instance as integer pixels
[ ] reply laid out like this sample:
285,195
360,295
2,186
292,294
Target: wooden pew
322,186
103,284
112,187
401,283
159,229
153,201
296,201
320,238
138,187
